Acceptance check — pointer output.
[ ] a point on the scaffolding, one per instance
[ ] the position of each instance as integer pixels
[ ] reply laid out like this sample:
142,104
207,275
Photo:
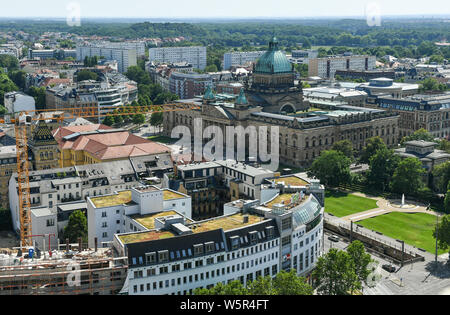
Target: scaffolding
65,273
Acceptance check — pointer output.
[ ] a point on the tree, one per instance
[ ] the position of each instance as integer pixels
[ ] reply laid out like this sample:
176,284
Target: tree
2,110
211,68
361,260
381,168
138,119
19,78
288,283
407,177
232,288
6,85
345,147
443,233
9,62
373,145
86,75
261,286
332,168
441,174
447,202
157,119
419,135
39,96
109,121
77,227
335,274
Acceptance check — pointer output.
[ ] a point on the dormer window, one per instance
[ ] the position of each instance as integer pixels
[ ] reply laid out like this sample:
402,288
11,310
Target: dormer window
198,249
163,256
150,258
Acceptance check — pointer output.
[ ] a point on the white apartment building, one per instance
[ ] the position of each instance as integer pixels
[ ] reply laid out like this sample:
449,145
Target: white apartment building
18,102
66,189
125,57
132,211
196,56
326,67
240,58
181,256
303,56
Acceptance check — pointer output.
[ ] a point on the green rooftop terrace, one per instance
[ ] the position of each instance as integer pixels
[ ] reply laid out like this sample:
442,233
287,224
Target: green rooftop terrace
145,236
291,180
122,197
171,195
226,223
148,221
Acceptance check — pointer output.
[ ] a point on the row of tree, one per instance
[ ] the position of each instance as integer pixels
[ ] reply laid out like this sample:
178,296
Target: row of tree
387,171
337,273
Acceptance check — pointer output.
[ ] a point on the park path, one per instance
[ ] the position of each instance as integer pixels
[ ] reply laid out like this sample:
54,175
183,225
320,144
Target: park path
384,207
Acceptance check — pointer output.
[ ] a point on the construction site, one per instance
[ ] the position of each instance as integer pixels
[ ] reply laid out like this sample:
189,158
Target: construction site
70,270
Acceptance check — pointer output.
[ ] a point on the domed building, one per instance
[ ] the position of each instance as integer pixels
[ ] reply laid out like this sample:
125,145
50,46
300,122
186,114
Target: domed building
272,85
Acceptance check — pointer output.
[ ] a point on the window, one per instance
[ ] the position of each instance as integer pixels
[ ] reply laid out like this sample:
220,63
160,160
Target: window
163,256
163,270
51,222
198,249
209,247
150,258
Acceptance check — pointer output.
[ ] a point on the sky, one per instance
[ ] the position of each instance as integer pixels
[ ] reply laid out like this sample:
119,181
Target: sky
220,8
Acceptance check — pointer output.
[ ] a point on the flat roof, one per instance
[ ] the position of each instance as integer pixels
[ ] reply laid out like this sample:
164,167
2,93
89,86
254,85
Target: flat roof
227,223
148,221
171,195
290,180
120,198
145,236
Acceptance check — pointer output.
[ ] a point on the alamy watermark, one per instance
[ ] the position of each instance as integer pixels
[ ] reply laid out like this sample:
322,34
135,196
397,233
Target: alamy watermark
73,14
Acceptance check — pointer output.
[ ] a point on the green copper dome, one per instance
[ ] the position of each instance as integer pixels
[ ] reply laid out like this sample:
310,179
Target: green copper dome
209,95
241,100
273,61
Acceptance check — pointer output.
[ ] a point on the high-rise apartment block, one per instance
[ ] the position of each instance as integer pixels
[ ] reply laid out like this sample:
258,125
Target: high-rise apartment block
125,57
240,58
327,67
193,55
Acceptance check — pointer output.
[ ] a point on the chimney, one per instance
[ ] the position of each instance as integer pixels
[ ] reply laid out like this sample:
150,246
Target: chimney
245,219
80,244
67,245
96,244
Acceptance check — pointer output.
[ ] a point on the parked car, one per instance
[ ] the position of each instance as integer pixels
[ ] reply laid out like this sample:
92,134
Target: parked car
334,238
389,268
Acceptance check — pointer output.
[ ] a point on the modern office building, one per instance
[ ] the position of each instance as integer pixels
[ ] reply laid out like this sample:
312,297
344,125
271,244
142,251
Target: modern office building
195,55
240,58
189,85
255,238
327,67
365,75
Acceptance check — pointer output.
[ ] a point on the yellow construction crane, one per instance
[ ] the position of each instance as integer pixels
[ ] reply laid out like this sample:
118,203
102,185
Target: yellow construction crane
22,123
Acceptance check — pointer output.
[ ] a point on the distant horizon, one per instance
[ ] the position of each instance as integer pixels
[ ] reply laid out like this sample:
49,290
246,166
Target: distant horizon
62,18
214,9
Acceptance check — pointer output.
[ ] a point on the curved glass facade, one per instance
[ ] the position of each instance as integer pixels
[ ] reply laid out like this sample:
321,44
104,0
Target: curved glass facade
307,213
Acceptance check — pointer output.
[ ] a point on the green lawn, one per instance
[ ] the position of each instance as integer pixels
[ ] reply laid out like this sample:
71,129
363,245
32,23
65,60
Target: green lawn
415,229
342,204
